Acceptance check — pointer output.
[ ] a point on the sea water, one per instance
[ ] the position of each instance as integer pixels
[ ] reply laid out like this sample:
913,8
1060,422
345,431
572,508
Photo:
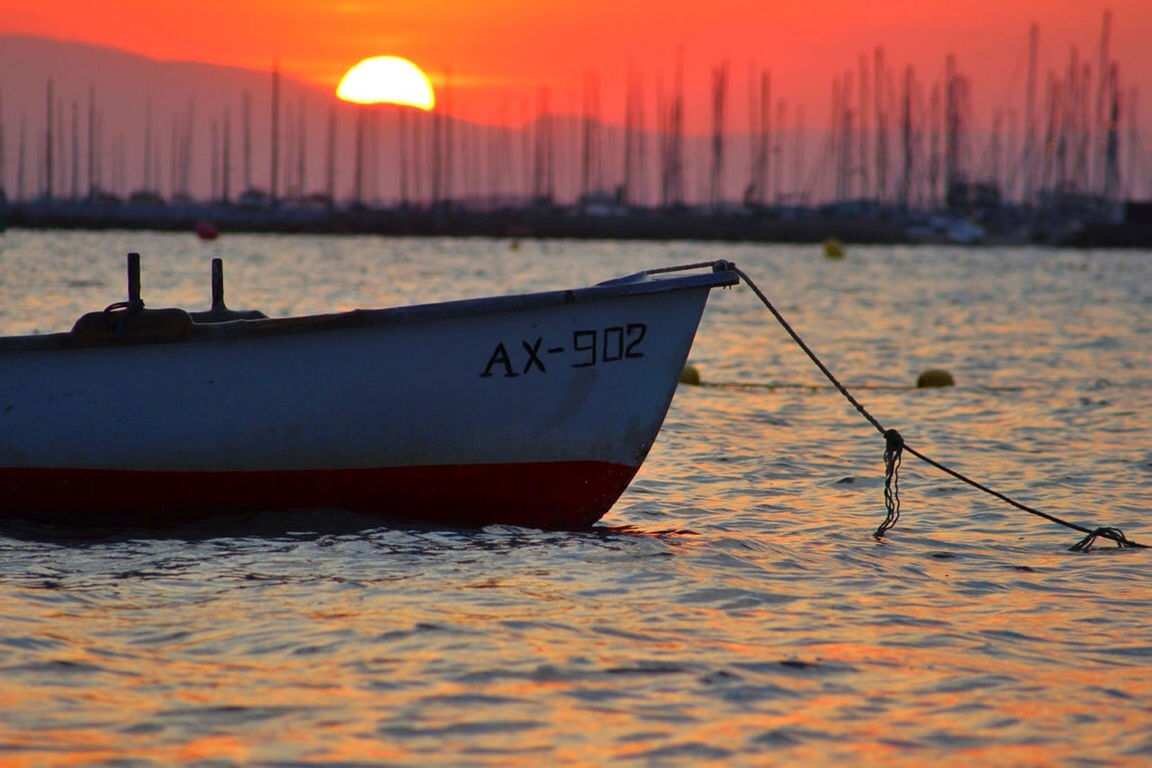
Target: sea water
733,608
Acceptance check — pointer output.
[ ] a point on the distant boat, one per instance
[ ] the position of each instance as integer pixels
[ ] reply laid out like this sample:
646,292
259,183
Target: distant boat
946,230
965,232
534,409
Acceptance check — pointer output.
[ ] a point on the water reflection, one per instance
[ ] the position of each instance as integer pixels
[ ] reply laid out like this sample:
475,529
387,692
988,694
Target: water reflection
732,608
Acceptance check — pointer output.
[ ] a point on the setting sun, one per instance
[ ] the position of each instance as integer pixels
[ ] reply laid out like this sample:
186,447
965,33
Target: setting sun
387,79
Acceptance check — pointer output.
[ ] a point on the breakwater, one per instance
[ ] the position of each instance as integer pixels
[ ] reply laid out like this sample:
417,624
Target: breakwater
800,225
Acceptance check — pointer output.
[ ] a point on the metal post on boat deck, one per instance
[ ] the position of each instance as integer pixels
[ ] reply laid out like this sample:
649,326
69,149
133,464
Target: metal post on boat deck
134,280
218,286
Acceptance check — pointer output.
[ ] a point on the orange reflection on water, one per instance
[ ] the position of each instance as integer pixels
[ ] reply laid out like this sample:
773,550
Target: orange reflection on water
865,692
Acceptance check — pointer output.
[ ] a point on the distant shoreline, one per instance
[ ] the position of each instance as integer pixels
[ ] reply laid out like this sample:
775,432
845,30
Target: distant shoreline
792,226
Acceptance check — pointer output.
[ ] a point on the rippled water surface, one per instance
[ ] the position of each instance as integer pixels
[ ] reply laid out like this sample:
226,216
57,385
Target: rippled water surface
732,608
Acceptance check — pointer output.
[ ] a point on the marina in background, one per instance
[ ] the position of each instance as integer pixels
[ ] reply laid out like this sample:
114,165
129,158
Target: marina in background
899,158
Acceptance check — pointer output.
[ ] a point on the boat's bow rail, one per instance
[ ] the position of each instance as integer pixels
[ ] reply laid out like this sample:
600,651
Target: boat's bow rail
130,323
719,266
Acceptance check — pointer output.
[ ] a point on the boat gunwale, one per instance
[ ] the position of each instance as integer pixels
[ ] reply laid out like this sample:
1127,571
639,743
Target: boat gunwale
641,283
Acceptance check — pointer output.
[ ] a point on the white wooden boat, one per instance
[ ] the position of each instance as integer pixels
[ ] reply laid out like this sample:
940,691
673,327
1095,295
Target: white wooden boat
533,409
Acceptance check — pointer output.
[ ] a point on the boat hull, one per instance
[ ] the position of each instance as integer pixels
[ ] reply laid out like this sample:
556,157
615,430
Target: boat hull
531,410
553,495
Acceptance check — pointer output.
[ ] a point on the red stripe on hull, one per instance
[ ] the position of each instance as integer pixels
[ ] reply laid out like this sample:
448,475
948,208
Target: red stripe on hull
557,495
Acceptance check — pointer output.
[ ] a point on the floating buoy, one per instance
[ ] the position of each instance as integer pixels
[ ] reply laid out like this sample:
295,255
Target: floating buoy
690,376
935,377
833,248
206,230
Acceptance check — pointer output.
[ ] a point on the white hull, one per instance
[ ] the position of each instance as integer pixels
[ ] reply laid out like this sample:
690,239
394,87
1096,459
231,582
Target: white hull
568,379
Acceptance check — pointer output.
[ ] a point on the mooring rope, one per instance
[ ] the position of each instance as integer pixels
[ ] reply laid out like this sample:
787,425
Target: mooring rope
894,447
117,315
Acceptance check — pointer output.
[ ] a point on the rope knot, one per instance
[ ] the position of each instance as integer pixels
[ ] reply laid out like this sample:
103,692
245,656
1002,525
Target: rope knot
893,451
117,315
1112,534
893,442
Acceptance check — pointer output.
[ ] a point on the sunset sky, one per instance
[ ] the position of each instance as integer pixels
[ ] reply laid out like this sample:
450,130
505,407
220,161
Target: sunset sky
500,52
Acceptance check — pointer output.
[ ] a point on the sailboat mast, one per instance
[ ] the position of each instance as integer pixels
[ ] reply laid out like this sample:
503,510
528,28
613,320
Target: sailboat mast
402,144
358,179
951,126
226,157
330,177
20,165
719,94
862,131
186,150
214,185
934,151
1030,117
74,191
906,139
677,153
93,182
777,159
881,109
274,182
586,148
301,151
1103,107
628,188
1,147
1112,139
246,119
48,144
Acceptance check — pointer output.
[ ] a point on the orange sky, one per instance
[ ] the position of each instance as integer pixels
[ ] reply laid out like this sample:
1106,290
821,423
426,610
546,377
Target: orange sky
499,52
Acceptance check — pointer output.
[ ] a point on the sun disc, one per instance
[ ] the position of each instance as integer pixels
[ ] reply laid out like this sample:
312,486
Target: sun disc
387,79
